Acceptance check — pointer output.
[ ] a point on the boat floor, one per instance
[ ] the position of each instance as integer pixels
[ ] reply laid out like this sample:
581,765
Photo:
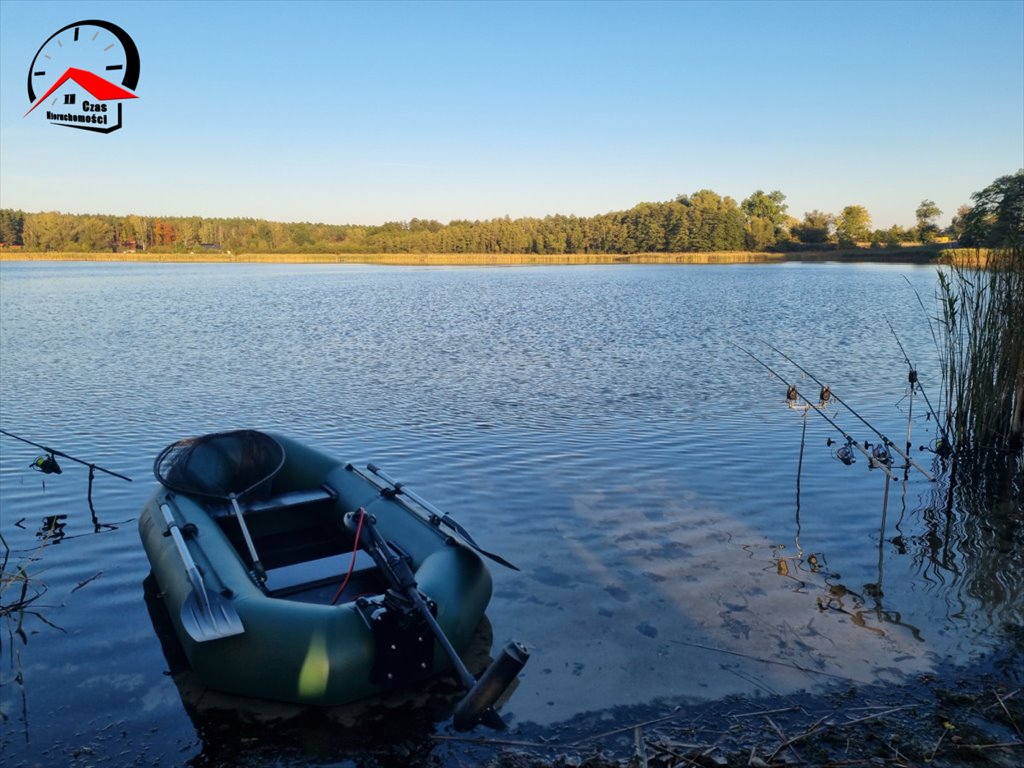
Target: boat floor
307,556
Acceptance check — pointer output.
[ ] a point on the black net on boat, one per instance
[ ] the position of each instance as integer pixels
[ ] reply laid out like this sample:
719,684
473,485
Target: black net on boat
239,463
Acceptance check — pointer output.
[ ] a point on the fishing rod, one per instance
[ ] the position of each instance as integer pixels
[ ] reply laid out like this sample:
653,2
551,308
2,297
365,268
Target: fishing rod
48,466
942,447
888,443
792,394
912,373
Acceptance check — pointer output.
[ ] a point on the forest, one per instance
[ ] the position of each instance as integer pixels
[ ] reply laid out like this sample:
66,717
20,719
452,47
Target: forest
700,222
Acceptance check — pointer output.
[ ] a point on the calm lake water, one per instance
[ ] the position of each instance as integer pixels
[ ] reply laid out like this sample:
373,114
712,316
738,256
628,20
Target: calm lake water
594,425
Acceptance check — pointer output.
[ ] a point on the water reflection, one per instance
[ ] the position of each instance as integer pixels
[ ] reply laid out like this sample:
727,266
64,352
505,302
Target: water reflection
972,543
837,597
971,546
21,591
21,587
591,424
52,528
232,730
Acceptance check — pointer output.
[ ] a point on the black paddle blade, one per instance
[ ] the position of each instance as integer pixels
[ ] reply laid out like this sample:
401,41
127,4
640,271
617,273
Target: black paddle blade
455,526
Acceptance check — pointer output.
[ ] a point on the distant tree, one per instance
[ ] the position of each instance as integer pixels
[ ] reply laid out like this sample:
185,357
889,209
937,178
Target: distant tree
885,238
766,218
91,233
759,234
301,234
47,231
853,225
815,228
927,212
714,223
12,224
956,224
703,221
134,231
771,206
997,216
893,236
646,230
677,232
788,233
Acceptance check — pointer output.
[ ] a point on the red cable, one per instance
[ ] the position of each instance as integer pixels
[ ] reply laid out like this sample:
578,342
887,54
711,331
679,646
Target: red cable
355,549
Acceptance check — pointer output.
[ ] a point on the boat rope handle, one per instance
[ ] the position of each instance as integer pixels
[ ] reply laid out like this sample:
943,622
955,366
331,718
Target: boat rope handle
352,564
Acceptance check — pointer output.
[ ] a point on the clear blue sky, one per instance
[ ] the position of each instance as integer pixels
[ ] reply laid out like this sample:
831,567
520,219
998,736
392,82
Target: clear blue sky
365,113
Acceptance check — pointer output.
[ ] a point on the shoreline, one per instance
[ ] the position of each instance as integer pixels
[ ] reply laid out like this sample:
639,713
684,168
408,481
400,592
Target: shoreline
925,255
956,714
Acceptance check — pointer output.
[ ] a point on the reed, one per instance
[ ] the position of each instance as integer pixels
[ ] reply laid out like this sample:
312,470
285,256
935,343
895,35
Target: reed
406,259
19,589
981,349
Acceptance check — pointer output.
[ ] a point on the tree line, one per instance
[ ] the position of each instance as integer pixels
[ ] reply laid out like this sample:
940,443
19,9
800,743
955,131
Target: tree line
702,222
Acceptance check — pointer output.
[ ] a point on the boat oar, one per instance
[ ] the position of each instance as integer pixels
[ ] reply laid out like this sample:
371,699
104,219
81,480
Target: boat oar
205,615
477,705
398,488
257,567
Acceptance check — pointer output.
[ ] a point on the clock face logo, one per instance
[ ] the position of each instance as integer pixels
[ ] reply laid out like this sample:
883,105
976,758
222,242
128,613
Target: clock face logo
83,74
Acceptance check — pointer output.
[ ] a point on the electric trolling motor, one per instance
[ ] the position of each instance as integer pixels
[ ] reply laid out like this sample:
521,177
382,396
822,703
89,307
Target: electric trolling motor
477,705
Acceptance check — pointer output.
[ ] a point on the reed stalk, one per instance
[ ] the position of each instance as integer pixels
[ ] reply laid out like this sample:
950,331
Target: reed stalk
981,349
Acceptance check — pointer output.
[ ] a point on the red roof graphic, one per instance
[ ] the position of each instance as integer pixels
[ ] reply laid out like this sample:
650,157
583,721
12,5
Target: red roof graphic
98,88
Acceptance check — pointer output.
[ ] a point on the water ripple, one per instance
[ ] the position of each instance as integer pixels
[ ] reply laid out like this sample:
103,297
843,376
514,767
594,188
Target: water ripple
596,426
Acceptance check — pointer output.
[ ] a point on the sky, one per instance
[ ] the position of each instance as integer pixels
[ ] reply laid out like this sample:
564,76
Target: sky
361,113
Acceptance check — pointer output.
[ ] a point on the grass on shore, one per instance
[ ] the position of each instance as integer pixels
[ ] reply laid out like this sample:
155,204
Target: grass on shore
428,259
895,255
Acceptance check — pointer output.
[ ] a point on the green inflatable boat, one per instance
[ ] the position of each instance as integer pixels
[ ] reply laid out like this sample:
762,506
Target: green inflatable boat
295,577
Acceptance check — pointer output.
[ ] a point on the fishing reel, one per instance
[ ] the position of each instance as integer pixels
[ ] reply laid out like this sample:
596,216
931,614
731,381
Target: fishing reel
792,395
941,447
47,465
824,396
880,455
844,452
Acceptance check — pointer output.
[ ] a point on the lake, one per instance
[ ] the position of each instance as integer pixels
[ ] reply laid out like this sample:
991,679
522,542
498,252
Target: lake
682,534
